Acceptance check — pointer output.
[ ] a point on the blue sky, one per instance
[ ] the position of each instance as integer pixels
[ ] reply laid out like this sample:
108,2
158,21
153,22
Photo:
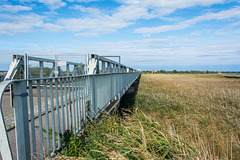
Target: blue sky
147,34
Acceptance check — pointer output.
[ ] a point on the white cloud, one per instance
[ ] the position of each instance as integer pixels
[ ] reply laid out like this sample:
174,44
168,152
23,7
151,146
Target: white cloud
172,51
165,7
22,1
51,27
25,23
89,10
96,21
86,34
53,4
128,14
156,52
231,13
14,8
105,24
131,12
171,3
20,24
178,3
85,1
237,31
122,17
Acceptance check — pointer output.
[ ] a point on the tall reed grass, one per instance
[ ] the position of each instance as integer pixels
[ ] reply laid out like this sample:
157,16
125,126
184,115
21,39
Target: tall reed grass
204,109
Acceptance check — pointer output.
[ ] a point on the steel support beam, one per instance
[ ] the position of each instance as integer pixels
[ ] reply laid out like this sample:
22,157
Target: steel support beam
21,120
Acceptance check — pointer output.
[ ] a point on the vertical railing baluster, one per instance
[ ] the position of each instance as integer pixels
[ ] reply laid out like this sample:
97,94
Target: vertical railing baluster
87,100
53,116
66,103
93,93
73,104
84,101
33,136
79,102
62,105
46,115
76,90
70,104
82,116
58,115
40,118
88,97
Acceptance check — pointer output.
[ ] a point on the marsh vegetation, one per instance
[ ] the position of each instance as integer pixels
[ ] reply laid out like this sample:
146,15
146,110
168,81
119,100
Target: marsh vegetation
203,109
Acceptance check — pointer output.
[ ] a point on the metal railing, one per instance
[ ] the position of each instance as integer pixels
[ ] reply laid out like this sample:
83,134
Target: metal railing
20,65
54,105
107,65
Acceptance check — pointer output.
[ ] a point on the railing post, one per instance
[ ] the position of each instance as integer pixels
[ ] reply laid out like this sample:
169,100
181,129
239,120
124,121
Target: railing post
103,67
56,66
93,64
21,120
41,67
25,66
68,70
94,97
113,69
108,67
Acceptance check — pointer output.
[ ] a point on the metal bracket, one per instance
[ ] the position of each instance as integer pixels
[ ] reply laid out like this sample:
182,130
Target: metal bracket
22,95
12,95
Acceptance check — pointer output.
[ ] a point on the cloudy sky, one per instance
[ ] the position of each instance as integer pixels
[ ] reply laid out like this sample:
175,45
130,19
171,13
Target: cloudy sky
147,34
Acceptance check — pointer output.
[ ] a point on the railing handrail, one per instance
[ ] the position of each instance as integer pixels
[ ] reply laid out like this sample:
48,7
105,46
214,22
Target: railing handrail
32,58
62,77
5,148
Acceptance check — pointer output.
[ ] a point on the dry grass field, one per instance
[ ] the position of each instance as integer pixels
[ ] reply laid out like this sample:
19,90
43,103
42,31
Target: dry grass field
203,109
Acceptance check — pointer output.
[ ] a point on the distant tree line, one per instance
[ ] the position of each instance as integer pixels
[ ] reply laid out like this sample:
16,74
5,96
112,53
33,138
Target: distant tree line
186,72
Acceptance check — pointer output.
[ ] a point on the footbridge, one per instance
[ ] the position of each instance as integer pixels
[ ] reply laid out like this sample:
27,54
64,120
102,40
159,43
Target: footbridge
48,105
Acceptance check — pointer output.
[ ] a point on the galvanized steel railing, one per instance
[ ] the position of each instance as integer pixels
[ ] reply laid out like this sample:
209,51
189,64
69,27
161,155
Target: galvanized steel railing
20,63
61,103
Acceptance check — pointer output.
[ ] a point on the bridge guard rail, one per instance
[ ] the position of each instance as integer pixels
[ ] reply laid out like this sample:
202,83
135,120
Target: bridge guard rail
60,103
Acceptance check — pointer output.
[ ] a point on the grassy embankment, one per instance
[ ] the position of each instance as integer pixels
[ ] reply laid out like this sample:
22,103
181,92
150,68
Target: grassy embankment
178,117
